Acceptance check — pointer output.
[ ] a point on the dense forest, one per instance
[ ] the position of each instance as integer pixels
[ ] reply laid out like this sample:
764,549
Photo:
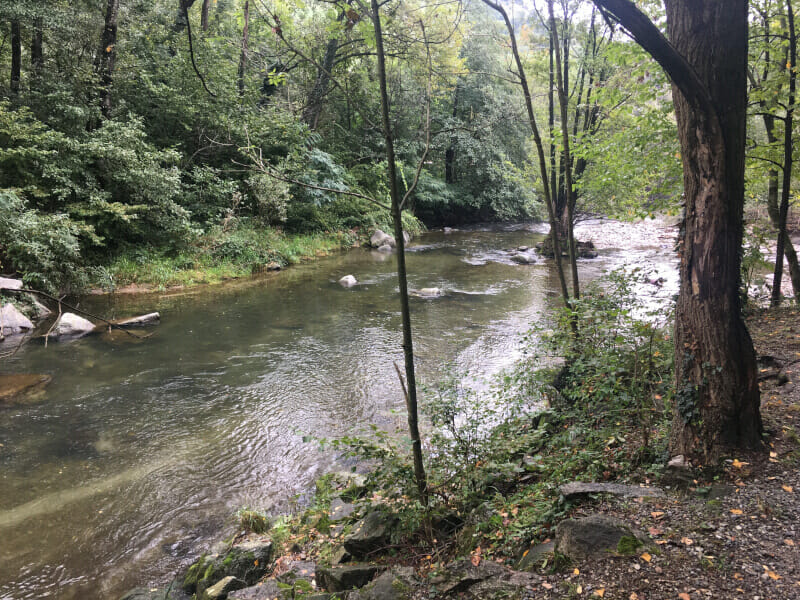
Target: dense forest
176,133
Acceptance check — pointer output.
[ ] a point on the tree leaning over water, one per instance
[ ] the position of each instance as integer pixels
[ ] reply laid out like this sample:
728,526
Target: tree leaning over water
717,397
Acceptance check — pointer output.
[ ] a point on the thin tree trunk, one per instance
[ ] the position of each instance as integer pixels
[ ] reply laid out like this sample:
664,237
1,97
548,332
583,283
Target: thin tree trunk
537,138
450,153
402,278
16,56
243,55
717,398
313,108
107,55
37,55
563,105
788,148
204,11
551,124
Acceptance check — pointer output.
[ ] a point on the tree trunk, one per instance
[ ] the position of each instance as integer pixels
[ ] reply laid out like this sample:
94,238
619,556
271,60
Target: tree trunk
402,278
450,153
313,108
37,55
204,14
243,55
717,399
788,148
107,55
16,56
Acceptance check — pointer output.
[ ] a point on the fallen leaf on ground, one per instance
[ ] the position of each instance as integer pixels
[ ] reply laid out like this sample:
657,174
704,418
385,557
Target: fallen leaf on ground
687,541
773,455
736,511
787,488
646,557
579,589
773,575
739,464
633,596
547,586
684,596
600,593
788,542
654,531
576,572
657,514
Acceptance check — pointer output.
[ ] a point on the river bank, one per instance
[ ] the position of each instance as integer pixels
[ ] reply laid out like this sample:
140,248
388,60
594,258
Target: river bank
642,531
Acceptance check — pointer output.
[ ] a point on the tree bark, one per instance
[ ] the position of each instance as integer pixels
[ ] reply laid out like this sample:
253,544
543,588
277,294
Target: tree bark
717,398
313,108
37,55
788,148
450,175
107,56
402,277
204,12
243,55
16,56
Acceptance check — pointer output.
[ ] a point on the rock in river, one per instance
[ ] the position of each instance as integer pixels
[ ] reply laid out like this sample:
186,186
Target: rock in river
71,326
381,238
12,321
348,281
17,389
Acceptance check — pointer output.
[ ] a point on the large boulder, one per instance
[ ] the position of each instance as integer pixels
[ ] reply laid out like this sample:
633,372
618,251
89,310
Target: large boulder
380,238
523,258
7,283
221,589
248,561
70,325
12,321
340,510
397,584
340,579
370,534
596,536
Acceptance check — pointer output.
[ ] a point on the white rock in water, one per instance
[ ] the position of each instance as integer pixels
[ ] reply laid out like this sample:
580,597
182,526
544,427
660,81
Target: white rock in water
12,321
430,292
140,321
523,259
348,281
381,238
71,325
385,248
10,284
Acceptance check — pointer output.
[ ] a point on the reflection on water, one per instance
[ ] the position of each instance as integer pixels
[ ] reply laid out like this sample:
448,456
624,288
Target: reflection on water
143,447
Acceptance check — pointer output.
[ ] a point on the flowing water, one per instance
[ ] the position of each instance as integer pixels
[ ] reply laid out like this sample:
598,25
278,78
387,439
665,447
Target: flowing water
140,451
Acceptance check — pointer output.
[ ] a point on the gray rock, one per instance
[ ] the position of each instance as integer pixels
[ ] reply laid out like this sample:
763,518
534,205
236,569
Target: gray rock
248,560
10,284
462,574
12,321
508,584
523,258
370,533
578,488
449,230
22,388
339,579
173,593
221,589
390,585
41,310
596,536
340,510
267,590
340,556
385,248
71,326
274,266
406,237
348,281
297,569
381,238
427,293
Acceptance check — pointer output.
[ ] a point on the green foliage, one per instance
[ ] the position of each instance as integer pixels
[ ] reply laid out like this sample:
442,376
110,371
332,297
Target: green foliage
43,247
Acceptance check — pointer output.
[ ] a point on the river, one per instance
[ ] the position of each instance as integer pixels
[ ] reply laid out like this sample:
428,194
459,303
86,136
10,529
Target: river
141,451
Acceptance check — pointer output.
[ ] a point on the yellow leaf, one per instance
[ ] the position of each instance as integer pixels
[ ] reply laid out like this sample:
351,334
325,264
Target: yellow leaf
787,488
788,542
600,593
684,596
524,554
547,586
773,455
773,575
687,541
738,464
646,557
576,572
736,511
579,589
738,576
657,514
633,596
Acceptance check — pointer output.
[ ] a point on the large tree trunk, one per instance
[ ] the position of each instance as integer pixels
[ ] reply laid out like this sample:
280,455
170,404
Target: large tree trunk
107,55
16,56
788,148
717,397
313,108
243,55
204,14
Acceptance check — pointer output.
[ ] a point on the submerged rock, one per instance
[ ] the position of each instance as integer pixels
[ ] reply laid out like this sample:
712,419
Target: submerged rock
523,258
12,321
19,389
348,281
71,326
141,321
